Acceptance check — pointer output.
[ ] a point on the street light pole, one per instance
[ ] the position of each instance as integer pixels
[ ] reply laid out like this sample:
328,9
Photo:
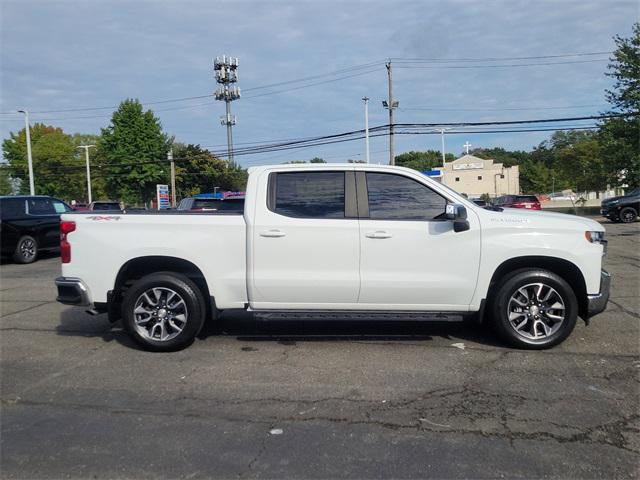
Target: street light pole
32,188
366,126
86,156
444,161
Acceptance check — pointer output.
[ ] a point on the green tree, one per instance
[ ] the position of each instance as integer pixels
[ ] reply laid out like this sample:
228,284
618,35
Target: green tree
317,160
199,171
57,169
580,165
134,149
500,155
620,137
6,183
535,177
422,161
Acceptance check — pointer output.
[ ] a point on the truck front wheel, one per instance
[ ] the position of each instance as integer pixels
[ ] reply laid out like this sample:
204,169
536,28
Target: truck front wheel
163,311
534,309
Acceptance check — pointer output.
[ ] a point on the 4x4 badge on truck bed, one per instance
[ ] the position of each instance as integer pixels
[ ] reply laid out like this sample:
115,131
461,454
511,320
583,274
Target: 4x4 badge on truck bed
104,217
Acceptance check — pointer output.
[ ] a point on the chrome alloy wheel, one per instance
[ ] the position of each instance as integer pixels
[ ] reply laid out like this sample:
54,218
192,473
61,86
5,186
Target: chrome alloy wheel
536,311
28,248
160,314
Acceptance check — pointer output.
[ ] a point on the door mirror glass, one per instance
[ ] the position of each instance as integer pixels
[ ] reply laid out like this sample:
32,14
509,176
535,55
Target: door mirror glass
456,212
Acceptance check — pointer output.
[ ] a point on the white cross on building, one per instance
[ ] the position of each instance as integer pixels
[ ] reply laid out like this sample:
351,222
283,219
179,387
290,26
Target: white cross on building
467,145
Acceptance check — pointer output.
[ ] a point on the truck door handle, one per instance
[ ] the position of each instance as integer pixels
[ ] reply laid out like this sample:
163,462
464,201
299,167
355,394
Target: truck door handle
379,234
272,233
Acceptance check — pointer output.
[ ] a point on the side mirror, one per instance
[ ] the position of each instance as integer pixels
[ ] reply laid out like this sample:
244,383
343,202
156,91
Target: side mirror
457,213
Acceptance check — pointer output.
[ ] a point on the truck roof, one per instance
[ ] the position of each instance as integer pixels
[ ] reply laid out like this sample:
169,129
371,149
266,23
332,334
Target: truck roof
327,166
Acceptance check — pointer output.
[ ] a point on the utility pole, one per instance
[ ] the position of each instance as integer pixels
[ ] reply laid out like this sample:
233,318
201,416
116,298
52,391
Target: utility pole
226,69
390,105
173,178
366,126
32,188
86,157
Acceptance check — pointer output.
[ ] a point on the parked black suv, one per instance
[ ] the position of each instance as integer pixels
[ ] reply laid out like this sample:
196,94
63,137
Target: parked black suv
30,224
622,209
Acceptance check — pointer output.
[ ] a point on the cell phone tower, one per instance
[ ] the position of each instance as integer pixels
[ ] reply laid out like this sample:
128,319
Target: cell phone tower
226,71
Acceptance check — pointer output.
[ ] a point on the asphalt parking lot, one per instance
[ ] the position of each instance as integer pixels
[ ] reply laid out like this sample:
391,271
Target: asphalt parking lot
317,400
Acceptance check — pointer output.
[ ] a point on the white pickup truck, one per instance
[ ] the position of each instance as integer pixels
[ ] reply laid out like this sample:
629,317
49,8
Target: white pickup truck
352,241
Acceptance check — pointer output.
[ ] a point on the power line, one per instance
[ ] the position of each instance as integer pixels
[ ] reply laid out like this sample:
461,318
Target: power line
406,66
499,59
381,130
444,109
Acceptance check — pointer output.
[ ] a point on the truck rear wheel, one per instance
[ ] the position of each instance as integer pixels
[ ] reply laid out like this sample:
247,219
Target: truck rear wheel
534,309
26,250
163,311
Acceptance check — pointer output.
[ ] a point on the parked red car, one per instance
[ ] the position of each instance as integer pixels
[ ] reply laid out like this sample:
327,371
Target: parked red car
518,201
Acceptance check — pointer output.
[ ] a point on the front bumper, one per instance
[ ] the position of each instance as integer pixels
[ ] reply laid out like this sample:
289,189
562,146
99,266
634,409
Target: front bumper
597,303
610,211
72,291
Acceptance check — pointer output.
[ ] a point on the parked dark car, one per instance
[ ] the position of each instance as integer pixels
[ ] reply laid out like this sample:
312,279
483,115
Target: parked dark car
228,204
30,224
104,205
622,209
530,202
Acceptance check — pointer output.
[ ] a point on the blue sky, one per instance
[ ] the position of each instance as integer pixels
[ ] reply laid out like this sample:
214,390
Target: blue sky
59,55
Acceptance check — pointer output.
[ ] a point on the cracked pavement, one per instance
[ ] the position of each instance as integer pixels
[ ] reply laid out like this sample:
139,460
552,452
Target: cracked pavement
354,400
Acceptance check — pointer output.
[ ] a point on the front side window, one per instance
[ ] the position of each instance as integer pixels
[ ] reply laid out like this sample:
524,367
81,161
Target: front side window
309,194
60,207
394,197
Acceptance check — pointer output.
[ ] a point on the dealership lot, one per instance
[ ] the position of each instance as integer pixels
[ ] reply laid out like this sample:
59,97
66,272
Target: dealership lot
317,399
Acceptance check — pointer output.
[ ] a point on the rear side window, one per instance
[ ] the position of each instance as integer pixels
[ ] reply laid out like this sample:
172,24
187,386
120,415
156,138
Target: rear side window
12,207
40,206
308,194
526,198
394,197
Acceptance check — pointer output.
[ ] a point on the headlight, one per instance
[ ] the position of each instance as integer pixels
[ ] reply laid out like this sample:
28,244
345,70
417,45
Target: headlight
597,237
594,237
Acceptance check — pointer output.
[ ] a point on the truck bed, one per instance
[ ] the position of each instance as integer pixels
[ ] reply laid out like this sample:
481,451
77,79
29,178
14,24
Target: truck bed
103,242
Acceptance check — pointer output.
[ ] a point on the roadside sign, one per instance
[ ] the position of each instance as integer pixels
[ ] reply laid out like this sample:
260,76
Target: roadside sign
162,195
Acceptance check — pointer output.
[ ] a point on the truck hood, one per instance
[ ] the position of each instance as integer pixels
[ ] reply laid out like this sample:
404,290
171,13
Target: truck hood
541,219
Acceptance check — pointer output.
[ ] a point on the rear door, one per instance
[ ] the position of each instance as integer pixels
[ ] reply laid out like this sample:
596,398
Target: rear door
45,214
12,214
411,258
305,241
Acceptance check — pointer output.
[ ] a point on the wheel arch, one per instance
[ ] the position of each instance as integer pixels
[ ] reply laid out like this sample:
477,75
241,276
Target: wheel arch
565,269
139,267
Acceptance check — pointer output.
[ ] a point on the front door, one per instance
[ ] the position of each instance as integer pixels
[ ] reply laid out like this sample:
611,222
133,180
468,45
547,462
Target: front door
411,258
305,242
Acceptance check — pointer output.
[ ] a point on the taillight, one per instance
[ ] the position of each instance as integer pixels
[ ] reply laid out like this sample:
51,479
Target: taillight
66,227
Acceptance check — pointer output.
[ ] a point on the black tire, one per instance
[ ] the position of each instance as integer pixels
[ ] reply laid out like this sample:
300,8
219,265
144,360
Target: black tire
628,215
193,308
26,250
501,304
